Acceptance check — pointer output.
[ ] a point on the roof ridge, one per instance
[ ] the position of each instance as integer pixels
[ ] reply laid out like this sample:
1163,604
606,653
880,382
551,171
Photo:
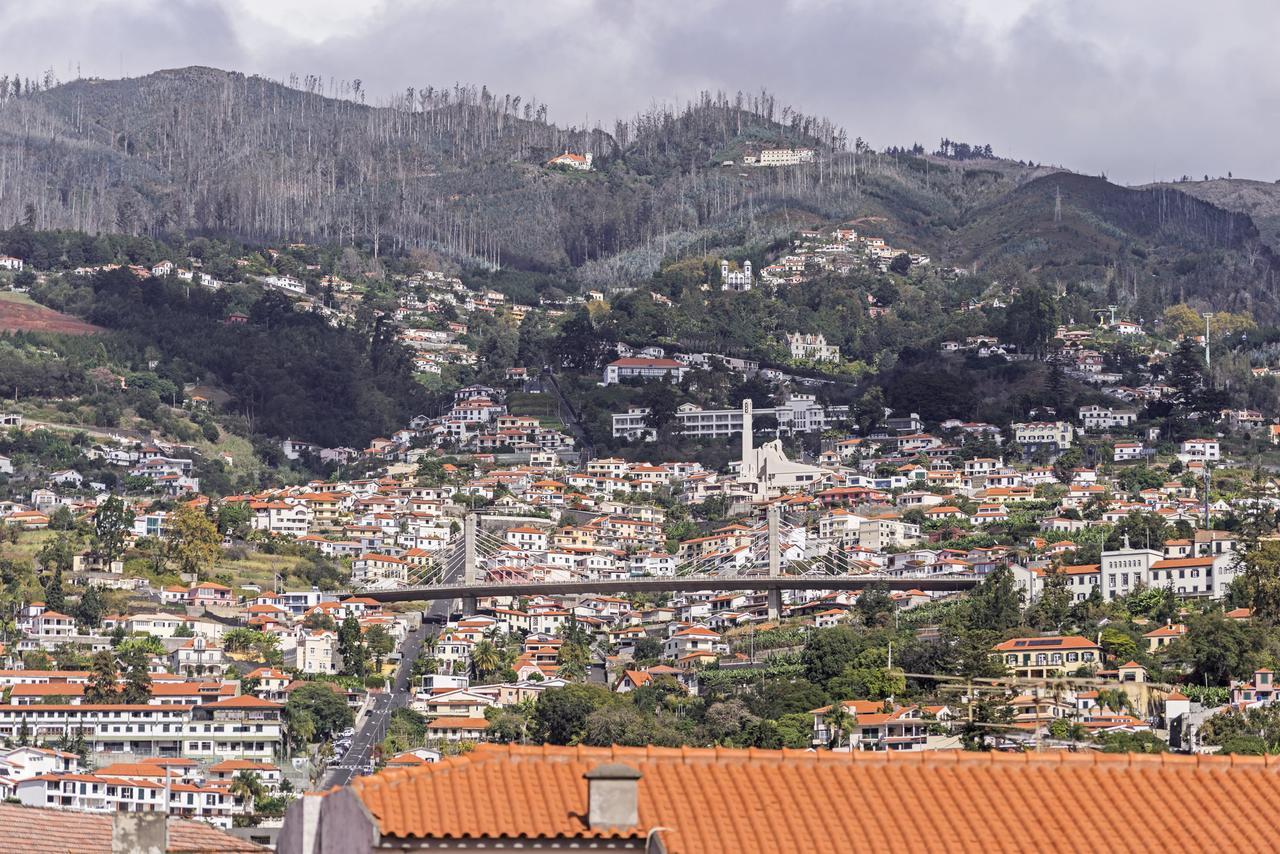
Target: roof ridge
725,755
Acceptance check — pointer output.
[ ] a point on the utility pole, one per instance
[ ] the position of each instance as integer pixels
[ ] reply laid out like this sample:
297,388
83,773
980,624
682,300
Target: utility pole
1207,362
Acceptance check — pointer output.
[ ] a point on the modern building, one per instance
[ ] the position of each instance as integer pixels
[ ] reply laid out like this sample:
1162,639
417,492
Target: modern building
801,413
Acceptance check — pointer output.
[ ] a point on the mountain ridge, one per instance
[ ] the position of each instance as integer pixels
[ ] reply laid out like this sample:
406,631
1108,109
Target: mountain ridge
200,150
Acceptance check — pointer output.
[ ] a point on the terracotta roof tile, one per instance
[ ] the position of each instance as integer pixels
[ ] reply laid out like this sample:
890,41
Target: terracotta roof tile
724,800
35,830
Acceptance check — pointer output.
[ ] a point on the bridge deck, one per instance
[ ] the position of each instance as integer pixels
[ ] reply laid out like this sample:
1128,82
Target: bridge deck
658,585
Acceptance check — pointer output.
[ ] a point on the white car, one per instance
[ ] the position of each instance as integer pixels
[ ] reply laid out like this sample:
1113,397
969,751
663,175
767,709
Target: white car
347,733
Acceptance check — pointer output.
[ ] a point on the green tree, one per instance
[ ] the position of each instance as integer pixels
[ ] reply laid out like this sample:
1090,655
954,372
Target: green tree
112,521
319,621
137,675
560,714
194,541
1120,644
355,659
379,643
1259,584
234,520
996,603
90,608
1141,530
103,679
1216,649
1133,742
486,658
875,606
247,785
323,709
1031,320
54,598
1053,607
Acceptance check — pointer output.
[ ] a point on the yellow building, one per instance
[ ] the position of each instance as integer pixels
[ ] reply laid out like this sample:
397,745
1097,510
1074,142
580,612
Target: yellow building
1042,658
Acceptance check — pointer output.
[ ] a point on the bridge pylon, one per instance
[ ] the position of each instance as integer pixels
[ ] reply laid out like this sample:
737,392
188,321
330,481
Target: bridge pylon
469,562
775,562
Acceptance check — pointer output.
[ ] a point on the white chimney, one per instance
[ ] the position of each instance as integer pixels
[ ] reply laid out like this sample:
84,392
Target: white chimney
613,796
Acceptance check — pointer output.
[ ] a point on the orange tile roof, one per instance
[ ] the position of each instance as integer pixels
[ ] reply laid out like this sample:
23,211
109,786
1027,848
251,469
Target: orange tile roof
34,830
799,801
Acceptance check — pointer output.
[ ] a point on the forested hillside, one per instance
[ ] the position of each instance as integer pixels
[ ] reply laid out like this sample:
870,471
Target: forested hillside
461,171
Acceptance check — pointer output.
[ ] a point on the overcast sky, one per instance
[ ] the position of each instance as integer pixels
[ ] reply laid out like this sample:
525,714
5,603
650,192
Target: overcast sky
1138,89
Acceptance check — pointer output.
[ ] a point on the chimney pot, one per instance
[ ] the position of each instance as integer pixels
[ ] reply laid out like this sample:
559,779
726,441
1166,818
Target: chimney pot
613,796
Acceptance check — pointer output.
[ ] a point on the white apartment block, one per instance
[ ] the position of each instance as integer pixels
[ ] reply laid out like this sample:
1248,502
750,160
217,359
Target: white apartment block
317,652
800,414
1104,418
241,727
1126,570
785,156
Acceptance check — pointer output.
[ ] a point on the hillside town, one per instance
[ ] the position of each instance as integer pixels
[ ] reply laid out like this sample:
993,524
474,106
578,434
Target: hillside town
295,536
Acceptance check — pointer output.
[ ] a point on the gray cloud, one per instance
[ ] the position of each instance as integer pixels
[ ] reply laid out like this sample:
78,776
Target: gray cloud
1140,90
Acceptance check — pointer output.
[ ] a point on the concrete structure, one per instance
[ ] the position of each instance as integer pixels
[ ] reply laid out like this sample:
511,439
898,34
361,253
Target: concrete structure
801,413
766,471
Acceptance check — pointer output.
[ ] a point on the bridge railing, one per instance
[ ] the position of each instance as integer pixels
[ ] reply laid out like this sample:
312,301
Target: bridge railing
775,549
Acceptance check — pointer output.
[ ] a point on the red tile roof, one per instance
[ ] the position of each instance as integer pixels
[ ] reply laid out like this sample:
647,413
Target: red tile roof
34,830
798,801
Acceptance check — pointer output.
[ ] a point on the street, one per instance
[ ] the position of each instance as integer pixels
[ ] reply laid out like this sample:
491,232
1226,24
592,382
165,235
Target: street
397,696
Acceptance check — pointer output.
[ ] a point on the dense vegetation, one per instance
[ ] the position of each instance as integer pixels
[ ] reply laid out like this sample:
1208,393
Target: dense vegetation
289,373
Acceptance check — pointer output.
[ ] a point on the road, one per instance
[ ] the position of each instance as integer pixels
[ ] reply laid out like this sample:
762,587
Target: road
374,727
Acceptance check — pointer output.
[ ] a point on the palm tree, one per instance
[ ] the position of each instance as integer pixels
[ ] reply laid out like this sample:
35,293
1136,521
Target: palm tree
247,785
841,722
485,658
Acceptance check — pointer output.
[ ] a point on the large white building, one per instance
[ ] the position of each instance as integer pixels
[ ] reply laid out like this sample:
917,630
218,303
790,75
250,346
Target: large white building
1051,436
801,413
812,348
643,369
785,156
1105,418
242,727
1200,450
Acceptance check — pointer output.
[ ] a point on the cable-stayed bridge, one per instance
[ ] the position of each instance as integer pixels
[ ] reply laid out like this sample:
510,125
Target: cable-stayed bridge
770,557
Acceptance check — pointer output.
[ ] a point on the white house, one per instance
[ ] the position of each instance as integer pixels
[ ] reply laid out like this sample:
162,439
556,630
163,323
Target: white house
8,262
580,162
1200,450
643,369
1104,418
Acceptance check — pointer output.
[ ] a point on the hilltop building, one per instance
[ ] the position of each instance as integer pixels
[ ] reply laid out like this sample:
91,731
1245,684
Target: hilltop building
812,348
580,162
738,281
